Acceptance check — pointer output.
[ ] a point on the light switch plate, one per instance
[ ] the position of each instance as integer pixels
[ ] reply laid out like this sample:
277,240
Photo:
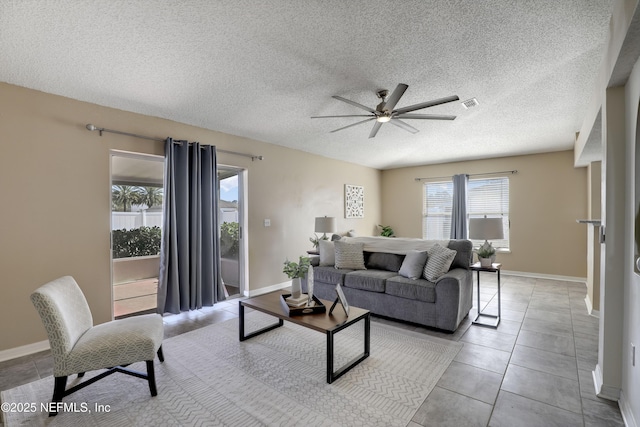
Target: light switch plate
267,222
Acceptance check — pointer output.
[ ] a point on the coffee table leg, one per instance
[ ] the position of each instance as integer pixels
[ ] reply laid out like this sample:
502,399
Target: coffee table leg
244,337
332,376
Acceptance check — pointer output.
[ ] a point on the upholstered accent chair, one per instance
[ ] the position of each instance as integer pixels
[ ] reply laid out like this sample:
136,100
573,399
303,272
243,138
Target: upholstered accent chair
78,346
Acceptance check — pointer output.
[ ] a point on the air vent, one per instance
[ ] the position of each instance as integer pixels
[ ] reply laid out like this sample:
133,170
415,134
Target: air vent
469,103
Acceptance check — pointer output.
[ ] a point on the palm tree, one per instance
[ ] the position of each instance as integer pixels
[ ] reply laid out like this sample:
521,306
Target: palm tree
150,196
123,196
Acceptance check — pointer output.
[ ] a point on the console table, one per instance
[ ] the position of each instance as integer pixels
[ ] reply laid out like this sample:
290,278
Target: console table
495,268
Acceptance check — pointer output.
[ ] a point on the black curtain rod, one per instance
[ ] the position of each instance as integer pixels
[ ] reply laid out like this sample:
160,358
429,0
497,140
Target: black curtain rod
473,174
100,130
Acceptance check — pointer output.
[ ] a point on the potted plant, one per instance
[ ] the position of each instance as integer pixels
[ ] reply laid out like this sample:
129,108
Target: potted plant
386,230
295,271
316,240
486,254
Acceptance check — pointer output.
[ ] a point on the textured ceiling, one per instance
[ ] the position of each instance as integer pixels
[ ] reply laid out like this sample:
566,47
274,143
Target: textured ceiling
260,69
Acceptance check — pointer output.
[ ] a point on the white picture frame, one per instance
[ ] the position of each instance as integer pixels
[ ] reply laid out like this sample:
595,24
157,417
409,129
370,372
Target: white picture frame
340,299
353,201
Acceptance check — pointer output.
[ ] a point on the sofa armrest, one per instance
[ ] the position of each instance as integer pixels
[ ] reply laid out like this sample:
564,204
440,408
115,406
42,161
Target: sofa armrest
454,293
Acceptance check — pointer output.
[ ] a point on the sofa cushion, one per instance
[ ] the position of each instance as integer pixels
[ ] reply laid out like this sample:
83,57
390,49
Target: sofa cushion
368,280
413,264
327,252
384,261
439,262
349,255
464,255
331,275
418,289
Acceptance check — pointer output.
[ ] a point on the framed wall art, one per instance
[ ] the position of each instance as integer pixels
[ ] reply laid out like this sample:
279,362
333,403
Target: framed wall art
353,201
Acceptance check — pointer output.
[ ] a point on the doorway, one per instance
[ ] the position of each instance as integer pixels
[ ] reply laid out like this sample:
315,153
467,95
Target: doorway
136,231
231,183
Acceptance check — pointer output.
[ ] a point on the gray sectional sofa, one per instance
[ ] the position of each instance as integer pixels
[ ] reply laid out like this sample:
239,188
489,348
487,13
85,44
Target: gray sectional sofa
383,286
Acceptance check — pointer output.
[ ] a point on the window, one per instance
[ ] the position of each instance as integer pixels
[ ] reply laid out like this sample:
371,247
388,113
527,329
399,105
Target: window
436,212
488,197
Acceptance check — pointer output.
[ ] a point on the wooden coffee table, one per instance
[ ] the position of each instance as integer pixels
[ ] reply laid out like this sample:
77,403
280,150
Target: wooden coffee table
326,323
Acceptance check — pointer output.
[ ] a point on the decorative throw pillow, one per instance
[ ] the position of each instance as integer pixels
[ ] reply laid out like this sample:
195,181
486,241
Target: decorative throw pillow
349,255
413,264
439,262
385,261
327,252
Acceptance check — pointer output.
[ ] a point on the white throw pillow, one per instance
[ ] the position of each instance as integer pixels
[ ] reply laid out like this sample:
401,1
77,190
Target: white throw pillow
349,255
327,252
439,262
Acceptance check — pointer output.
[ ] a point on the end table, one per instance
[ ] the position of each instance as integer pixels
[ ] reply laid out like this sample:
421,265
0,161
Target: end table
495,268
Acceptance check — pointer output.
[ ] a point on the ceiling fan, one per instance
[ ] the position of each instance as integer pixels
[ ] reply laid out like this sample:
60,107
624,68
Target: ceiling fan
384,112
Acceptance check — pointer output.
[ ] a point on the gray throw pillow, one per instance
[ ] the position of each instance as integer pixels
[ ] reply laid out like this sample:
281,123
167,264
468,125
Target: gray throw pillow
439,262
349,255
327,252
413,264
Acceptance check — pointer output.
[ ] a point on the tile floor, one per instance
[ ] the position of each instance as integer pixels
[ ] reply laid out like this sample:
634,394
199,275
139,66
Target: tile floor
534,370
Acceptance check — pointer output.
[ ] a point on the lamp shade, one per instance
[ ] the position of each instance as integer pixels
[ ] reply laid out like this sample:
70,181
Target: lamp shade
325,224
485,229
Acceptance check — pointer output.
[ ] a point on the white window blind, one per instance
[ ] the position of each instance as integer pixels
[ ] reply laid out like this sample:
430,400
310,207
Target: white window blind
490,197
486,196
436,210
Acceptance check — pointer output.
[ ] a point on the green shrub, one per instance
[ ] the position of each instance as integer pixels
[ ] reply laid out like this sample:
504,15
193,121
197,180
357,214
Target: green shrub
229,240
141,241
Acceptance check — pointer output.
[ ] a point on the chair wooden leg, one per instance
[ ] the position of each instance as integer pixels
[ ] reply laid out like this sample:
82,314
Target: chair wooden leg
160,354
151,376
59,388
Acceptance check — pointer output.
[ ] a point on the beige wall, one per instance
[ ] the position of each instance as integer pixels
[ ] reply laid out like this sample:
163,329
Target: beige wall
54,188
547,195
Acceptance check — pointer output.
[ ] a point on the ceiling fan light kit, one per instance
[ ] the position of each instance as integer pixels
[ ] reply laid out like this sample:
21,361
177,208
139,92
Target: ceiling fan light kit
385,112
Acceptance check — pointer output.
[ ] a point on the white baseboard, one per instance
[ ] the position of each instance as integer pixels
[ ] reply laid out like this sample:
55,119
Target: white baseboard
266,290
627,414
604,391
24,350
545,276
590,310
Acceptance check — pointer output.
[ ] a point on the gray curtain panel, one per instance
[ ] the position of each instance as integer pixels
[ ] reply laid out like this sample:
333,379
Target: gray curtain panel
190,253
459,208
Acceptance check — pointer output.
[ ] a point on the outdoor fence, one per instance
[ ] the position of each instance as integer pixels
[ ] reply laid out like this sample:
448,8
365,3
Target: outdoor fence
131,220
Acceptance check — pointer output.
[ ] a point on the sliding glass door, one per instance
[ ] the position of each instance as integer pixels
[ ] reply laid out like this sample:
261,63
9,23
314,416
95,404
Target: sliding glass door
231,218
136,229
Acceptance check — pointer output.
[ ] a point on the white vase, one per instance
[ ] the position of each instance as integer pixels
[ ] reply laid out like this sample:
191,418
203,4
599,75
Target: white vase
485,262
296,287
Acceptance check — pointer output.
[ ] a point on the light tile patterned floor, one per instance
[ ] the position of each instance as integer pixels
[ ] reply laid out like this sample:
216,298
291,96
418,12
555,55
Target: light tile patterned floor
534,370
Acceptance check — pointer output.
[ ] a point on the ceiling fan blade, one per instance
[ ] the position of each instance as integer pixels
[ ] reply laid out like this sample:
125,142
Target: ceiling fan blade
355,104
376,128
350,115
353,124
424,116
395,96
426,104
404,126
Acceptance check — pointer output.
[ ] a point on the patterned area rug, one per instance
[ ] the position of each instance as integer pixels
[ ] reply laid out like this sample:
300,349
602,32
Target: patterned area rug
278,378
